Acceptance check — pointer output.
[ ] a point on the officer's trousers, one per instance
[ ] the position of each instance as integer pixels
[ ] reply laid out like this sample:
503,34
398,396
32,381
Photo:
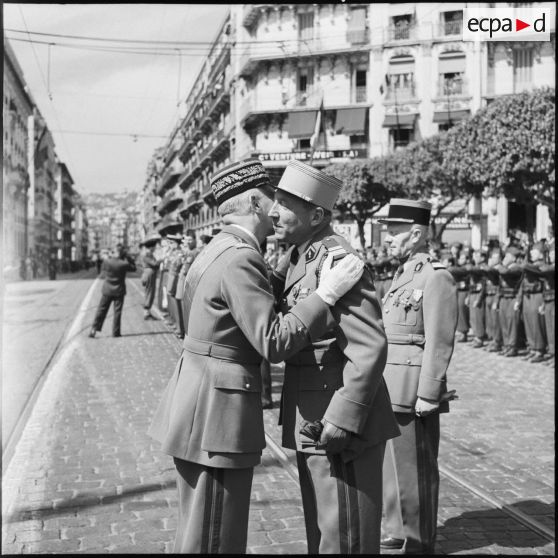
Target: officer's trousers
534,321
150,284
102,310
493,328
462,312
213,506
549,316
342,501
509,322
412,482
476,315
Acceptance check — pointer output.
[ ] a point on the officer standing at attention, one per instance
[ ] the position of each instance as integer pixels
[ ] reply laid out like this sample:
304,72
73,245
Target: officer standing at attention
477,296
174,266
492,300
548,308
335,409
189,253
210,418
420,317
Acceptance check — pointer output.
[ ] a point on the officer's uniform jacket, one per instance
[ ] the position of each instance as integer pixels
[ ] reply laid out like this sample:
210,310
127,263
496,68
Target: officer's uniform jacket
420,317
211,411
338,377
114,271
510,279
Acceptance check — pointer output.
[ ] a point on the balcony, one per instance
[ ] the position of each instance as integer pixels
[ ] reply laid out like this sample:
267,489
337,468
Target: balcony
401,93
402,32
360,94
452,88
251,13
448,28
169,177
169,202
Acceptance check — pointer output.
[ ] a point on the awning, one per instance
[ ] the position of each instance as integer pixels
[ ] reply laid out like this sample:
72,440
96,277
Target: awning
451,64
444,116
302,124
405,121
402,65
351,120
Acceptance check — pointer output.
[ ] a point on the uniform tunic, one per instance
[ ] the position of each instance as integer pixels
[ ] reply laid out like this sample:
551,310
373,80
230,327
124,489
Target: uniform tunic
149,278
547,272
188,256
477,295
420,316
510,277
530,297
493,329
461,276
338,378
210,417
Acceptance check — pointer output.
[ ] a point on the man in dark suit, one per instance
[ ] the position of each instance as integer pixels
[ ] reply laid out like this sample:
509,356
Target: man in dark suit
335,408
420,317
210,418
114,270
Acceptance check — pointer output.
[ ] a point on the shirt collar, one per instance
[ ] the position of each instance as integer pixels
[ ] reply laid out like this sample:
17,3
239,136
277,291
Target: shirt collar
249,233
302,248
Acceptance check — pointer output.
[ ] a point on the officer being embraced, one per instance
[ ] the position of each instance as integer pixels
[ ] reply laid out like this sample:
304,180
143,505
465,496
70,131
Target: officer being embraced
335,408
420,315
210,418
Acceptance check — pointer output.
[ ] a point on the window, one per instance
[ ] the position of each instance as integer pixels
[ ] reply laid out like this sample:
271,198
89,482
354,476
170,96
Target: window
401,27
305,82
522,69
401,78
400,137
451,68
452,23
359,141
306,26
445,126
304,143
359,86
356,28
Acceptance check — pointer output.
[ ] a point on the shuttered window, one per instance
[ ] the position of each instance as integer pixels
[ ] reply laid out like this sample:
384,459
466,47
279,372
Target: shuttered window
522,69
306,26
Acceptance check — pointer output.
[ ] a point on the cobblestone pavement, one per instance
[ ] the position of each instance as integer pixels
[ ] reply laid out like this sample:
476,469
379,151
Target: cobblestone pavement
86,478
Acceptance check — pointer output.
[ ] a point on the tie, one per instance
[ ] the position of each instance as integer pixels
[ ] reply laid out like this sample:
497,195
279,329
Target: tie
398,272
294,256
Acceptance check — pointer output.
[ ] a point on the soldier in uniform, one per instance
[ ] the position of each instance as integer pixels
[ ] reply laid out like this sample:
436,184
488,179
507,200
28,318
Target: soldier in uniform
335,410
162,300
530,298
149,275
477,295
210,418
174,266
510,272
492,319
461,275
188,253
547,271
420,317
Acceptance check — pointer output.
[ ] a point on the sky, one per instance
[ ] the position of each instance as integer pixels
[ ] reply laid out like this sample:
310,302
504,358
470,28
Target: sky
95,92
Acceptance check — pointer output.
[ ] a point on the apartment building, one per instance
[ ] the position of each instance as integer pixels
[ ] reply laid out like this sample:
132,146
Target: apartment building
331,83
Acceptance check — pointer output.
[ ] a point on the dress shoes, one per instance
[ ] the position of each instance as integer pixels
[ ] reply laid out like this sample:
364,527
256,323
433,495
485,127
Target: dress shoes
462,338
539,357
117,335
512,353
477,344
92,333
391,543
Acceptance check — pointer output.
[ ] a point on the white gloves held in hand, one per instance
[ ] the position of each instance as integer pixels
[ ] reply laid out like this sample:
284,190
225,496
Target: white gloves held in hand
338,280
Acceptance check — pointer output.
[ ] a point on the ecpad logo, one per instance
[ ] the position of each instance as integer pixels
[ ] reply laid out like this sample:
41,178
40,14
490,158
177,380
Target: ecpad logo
506,24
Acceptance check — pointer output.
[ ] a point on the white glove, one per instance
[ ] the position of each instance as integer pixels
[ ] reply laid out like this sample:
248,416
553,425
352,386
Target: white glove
338,280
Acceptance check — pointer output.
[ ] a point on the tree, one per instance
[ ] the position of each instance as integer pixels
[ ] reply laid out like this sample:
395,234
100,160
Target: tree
364,191
509,147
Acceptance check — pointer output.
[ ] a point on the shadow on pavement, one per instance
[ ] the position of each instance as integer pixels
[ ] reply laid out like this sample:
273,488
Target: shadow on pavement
88,500
493,526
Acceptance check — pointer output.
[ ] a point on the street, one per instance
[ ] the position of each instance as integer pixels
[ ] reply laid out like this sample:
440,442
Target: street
85,477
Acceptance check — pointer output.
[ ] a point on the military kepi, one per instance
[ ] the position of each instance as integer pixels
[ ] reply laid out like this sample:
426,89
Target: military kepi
310,184
237,178
408,211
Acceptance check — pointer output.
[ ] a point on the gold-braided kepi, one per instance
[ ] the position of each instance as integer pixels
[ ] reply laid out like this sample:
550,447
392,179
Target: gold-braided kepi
237,178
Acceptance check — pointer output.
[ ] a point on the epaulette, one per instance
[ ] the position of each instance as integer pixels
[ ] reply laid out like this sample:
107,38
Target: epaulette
334,248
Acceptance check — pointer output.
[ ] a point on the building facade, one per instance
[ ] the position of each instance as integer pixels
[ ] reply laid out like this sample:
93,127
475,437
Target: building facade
331,83
16,110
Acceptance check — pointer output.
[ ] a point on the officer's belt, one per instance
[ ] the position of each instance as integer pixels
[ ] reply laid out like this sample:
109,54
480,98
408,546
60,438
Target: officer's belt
223,352
316,356
491,291
476,288
548,295
462,286
405,338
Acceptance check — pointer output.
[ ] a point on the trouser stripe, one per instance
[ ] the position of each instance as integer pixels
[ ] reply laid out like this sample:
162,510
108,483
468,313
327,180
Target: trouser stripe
213,511
349,525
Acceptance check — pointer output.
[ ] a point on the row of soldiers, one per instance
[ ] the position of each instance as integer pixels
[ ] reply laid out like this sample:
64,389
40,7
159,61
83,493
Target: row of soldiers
505,299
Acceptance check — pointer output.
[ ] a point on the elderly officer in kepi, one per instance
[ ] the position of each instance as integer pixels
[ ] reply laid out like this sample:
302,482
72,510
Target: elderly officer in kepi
210,418
335,408
420,317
